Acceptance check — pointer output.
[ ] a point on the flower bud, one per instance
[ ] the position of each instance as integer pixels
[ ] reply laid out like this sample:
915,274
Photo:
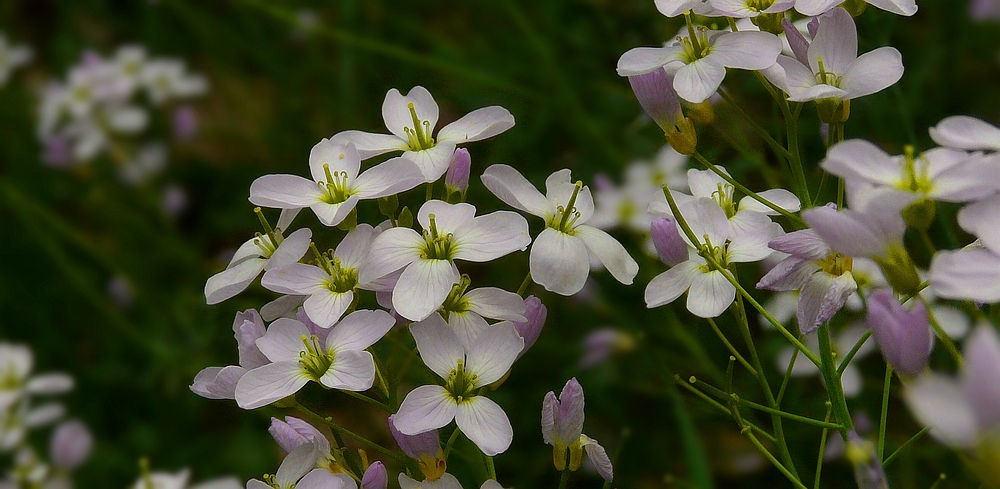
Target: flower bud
293,433
655,93
899,270
535,313
388,205
71,445
769,22
668,242
425,447
375,477
920,214
457,178
833,110
903,336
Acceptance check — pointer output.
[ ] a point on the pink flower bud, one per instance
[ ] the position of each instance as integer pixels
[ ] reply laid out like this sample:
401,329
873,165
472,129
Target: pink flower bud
457,178
668,242
185,123
293,433
375,477
535,313
903,336
416,446
71,445
655,93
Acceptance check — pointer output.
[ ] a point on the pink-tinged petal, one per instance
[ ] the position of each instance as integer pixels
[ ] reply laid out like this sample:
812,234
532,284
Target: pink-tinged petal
280,307
697,81
425,408
514,190
283,340
776,75
432,162
860,159
291,249
491,236
788,275
969,179
359,330
779,197
324,479
294,432
396,112
669,285
873,72
391,250
639,61
845,231
284,192
334,214
339,159
370,144
477,125
448,218
804,244
746,50
247,250
438,345
610,252
597,456
485,424
836,42
968,133
710,294
493,352
273,382
968,274
353,249
559,262
704,183
559,189
232,281
550,405
982,356
467,326
496,303
815,7
818,92
673,8
940,403
752,246
325,307
351,370
217,382
796,76
901,7
388,178
296,279
423,287
569,417
706,218
796,41
257,484
296,465
982,219
735,8
822,296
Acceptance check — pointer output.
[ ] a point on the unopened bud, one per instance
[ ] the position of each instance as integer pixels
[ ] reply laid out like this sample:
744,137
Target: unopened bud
683,138
904,336
425,447
535,314
769,22
388,205
668,242
375,477
457,178
833,111
920,214
294,432
71,445
405,219
899,270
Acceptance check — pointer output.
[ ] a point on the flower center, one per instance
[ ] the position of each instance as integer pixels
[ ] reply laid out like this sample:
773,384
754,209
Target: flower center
342,279
717,253
825,77
419,136
461,384
436,245
759,5
723,195
314,360
9,379
270,480
695,45
836,264
915,178
566,217
456,301
335,188
269,241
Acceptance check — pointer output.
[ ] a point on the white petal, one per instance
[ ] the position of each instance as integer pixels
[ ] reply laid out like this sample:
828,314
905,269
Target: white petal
710,294
491,236
291,249
485,423
752,246
447,481
296,279
334,214
873,72
815,7
218,383
983,220
388,178
423,287
396,113
939,403
338,158
284,192
467,326
513,189
822,296
610,252
477,125
324,479
49,384
699,80
393,249
439,348
425,408
283,340
559,262
351,370
597,455
493,352
232,281
325,307
353,249
860,159
448,218
559,189
639,61
295,465
273,382
432,162
901,7
669,285
550,405
496,303
779,197
370,144
969,133
836,42
359,330
746,50
967,274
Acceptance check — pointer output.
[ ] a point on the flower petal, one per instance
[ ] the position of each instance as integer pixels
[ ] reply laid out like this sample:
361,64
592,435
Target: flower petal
968,274
484,422
391,177
438,345
338,158
822,296
836,43
283,340
396,111
559,262
370,144
284,192
232,281
351,370
334,214
496,303
493,352
359,330
491,236
325,307
939,403
432,162
296,279
273,382
391,250
699,80
291,249
467,326
639,61
610,252
873,72
514,190
423,287
968,133
477,125
710,294
669,285
746,50
425,408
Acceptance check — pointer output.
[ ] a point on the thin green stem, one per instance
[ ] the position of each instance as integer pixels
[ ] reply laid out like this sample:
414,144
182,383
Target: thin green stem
743,402
888,460
885,410
928,243
794,479
369,400
523,289
451,442
337,429
787,377
941,334
564,479
716,404
732,349
822,448
854,351
834,388
794,157
775,145
742,188
490,469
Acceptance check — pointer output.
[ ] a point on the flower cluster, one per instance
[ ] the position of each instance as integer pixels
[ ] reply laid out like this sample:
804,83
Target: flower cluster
105,105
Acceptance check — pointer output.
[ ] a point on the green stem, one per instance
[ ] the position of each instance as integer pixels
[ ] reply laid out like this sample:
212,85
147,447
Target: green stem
885,410
775,145
787,377
451,442
834,388
822,448
854,351
716,404
794,157
737,399
945,339
742,188
888,460
523,289
731,348
490,469
350,434
564,479
794,479
369,400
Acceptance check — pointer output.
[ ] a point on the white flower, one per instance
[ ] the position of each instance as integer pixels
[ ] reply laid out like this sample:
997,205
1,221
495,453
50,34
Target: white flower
447,481
339,362
11,57
465,371
180,480
673,8
336,185
465,310
297,471
751,8
450,232
329,286
257,254
816,7
628,205
167,79
968,133
16,381
411,120
561,255
699,64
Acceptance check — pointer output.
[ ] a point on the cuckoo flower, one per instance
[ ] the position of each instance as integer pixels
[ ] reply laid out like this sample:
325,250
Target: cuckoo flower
832,73
628,205
375,477
562,427
673,8
823,275
982,219
531,328
560,256
968,133
167,79
817,7
336,185
465,371
657,96
330,285
465,310
298,357
670,246
11,57
220,382
298,471
904,336
709,292
456,180
425,447
71,444
411,120
751,8
16,381
450,232
698,61
971,273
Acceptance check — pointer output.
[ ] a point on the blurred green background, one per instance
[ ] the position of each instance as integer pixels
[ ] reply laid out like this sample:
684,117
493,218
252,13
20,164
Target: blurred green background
278,85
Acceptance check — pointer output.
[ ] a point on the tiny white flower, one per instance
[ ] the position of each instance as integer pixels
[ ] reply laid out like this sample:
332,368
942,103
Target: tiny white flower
257,254
465,310
167,79
11,57
16,381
